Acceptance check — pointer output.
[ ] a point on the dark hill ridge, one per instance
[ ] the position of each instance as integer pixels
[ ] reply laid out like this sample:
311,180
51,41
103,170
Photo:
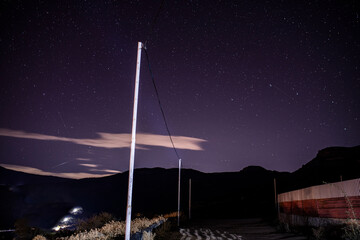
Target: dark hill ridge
10,177
330,165
247,193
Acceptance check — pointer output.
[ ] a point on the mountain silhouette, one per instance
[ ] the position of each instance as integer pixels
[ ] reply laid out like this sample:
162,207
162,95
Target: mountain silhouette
44,200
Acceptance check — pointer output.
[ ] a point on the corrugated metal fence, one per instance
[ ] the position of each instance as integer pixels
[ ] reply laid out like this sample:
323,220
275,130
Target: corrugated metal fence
322,204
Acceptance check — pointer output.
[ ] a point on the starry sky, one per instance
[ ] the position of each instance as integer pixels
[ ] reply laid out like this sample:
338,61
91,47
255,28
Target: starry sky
241,83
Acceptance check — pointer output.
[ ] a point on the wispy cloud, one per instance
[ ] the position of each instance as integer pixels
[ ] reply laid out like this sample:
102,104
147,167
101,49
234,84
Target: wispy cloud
83,159
115,140
104,170
37,171
89,165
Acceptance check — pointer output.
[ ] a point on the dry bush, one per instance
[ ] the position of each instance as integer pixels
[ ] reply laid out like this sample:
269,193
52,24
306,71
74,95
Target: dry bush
114,229
171,215
318,233
93,234
148,236
352,225
352,230
166,229
39,237
96,221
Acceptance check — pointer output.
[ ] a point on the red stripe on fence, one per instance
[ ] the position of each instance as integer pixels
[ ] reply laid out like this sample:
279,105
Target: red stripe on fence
324,208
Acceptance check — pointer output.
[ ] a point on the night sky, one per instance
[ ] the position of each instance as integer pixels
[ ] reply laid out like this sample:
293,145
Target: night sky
241,83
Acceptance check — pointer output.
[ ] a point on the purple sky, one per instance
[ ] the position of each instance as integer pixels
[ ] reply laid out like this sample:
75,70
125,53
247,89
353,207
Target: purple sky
242,83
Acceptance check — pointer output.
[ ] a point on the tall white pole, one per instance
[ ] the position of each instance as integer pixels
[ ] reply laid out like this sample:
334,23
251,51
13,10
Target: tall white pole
275,193
133,139
178,213
190,198
276,200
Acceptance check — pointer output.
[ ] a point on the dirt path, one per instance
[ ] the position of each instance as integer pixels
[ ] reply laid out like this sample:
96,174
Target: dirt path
236,229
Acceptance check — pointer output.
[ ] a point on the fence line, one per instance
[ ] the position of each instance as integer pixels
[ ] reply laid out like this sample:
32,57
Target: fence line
333,202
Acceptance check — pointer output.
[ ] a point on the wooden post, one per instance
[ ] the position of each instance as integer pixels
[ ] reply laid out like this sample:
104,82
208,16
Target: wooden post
178,213
189,198
275,198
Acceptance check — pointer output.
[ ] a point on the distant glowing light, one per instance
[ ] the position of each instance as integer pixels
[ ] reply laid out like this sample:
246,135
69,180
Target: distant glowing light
76,210
69,221
66,219
57,228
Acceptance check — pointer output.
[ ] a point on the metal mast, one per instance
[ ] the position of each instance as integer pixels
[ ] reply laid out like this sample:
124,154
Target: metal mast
178,213
133,139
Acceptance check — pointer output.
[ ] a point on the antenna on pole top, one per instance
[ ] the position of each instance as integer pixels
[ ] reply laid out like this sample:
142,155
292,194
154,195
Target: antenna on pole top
133,140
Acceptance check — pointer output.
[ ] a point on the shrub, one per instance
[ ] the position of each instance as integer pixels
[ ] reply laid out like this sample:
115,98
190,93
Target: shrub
318,233
39,237
96,221
114,229
352,225
148,236
352,230
171,215
167,229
